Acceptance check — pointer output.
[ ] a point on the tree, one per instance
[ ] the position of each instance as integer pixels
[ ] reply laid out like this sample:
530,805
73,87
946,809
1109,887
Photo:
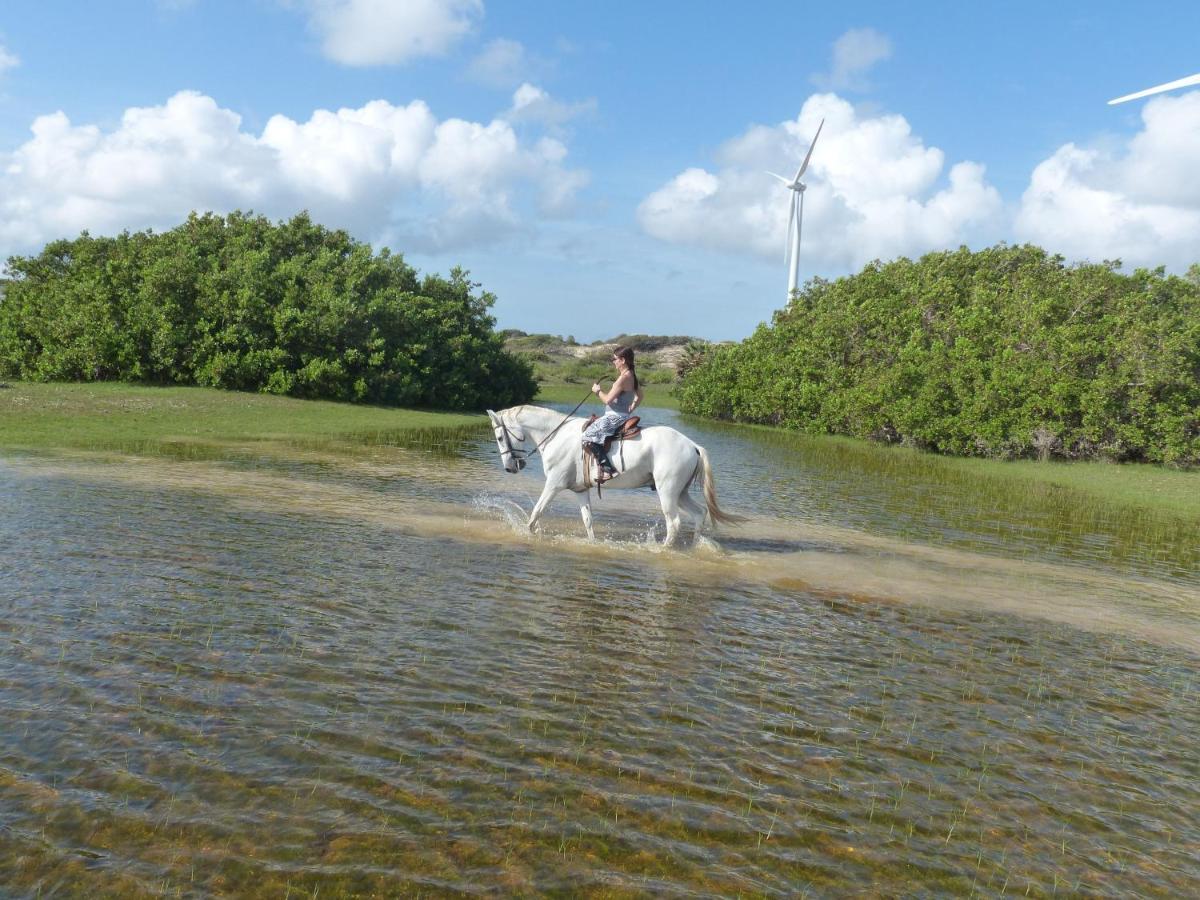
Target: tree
242,303
1005,352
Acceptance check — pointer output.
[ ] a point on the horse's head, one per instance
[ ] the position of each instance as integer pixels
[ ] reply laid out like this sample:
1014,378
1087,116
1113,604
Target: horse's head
511,441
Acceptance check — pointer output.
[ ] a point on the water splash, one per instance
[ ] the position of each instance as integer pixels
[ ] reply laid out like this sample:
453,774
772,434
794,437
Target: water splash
505,509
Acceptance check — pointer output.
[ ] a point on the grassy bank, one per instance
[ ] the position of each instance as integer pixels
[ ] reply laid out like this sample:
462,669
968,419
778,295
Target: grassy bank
107,416
1130,484
112,415
104,415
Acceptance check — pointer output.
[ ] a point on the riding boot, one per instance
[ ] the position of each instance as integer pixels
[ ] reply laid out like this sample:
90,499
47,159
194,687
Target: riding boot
603,461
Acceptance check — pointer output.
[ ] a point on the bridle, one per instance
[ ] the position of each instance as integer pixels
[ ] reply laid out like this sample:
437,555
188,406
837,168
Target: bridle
521,455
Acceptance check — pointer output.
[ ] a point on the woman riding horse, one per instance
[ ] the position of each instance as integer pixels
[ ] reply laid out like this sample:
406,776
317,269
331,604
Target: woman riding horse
620,402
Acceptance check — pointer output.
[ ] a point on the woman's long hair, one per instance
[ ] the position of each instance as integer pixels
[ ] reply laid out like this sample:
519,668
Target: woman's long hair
626,353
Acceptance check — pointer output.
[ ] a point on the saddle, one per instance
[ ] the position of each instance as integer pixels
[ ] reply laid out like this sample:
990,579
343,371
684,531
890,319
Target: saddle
630,429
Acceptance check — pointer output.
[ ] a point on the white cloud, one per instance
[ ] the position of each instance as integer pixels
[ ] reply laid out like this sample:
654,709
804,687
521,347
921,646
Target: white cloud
1140,205
532,104
874,191
855,53
379,169
502,63
389,32
7,60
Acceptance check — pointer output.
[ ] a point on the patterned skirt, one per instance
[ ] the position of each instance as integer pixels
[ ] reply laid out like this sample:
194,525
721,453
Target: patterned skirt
604,427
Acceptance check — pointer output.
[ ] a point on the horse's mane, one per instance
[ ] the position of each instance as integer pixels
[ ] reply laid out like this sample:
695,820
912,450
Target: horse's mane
539,412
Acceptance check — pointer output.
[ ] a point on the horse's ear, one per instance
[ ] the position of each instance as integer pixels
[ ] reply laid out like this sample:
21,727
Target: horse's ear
492,416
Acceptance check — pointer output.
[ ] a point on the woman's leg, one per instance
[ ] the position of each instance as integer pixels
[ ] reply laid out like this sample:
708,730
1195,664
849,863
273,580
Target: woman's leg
602,459
596,433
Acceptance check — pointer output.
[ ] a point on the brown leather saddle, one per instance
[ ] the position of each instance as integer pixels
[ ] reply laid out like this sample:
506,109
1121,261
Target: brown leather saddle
630,429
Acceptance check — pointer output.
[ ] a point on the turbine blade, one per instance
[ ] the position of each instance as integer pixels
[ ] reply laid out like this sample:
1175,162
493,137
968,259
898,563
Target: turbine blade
1169,86
804,165
781,178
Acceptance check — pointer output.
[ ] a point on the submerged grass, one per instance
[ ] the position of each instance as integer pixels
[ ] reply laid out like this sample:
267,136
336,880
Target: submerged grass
1137,486
149,419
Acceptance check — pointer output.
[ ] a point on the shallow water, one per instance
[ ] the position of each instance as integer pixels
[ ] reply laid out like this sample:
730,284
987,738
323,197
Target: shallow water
343,669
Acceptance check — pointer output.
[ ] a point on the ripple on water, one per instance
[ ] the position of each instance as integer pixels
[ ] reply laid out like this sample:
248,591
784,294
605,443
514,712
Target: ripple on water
222,686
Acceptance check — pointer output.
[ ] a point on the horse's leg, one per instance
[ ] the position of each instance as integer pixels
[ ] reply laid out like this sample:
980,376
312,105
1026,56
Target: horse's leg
691,506
584,499
548,493
669,499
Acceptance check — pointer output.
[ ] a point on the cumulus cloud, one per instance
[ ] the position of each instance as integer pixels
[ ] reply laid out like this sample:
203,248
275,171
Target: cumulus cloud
501,64
386,32
7,60
874,191
379,169
855,53
1140,204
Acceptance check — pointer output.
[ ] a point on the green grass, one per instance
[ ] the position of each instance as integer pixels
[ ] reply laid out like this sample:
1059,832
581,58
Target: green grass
106,415
111,415
100,415
1129,484
560,392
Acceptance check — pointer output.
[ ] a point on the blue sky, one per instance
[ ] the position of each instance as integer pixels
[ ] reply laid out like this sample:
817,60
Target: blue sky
600,166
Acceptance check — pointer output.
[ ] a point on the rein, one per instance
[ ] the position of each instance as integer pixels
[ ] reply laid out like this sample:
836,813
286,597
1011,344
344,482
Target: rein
542,442
527,454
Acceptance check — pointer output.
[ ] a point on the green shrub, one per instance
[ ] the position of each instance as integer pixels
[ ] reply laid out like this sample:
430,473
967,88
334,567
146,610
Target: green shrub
240,303
1005,352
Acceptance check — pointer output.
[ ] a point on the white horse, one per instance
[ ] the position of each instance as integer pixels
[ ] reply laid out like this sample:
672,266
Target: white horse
660,456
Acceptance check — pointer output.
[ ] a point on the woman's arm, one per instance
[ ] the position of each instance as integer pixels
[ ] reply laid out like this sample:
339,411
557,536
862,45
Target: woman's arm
619,385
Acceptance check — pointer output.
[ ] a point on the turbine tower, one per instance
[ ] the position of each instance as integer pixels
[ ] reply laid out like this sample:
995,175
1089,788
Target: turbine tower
1169,86
796,214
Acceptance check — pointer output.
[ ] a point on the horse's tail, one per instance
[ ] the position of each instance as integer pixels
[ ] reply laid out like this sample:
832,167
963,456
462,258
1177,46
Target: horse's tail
715,513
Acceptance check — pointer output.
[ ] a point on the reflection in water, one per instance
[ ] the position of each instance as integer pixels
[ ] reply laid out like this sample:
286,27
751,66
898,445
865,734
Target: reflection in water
347,670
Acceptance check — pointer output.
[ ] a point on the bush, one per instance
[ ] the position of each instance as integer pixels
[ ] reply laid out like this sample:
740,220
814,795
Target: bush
240,303
1006,352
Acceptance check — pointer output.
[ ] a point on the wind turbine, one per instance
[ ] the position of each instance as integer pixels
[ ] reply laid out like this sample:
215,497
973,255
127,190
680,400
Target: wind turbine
1169,86
796,214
